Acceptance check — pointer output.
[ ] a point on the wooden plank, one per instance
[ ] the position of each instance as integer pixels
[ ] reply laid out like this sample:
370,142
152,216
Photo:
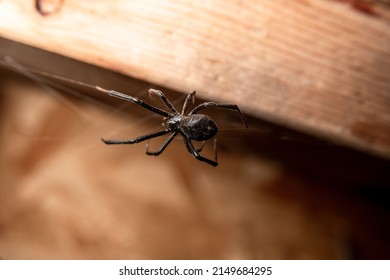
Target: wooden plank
318,66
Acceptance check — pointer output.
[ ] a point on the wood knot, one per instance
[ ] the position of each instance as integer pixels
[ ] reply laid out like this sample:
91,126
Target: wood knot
48,7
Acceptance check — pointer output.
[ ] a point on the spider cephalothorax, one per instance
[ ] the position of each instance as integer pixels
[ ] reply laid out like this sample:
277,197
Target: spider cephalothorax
197,127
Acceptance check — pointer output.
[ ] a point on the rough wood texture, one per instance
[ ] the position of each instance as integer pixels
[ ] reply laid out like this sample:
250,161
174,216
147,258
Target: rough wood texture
315,65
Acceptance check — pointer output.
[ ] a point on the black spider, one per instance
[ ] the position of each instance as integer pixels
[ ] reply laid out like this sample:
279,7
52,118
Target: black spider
193,126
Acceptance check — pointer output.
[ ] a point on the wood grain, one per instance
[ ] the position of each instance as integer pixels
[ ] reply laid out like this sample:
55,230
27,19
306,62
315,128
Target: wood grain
318,66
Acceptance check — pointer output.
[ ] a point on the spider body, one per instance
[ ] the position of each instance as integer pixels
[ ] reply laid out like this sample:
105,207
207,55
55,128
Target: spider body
193,127
199,127
175,122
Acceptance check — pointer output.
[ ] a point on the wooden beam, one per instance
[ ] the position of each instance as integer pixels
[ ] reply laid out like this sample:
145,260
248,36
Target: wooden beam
318,66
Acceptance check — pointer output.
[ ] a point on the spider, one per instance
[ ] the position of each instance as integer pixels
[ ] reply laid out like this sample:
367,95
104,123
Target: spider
194,126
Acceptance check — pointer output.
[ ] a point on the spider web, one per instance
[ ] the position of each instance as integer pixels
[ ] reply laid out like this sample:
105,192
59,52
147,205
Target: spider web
77,101
102,120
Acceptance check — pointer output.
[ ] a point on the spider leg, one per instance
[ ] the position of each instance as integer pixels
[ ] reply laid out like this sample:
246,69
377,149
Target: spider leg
215,150
219,106
193,151
136,101
163,98
201,147
162,147
138,139
187,101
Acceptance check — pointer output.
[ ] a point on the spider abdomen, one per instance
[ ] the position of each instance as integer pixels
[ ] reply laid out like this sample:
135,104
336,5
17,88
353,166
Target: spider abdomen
198,127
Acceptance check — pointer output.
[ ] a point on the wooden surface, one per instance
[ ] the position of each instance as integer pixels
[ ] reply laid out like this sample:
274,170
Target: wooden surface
319,66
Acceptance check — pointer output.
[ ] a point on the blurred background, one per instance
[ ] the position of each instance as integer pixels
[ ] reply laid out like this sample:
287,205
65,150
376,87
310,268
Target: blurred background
290,187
